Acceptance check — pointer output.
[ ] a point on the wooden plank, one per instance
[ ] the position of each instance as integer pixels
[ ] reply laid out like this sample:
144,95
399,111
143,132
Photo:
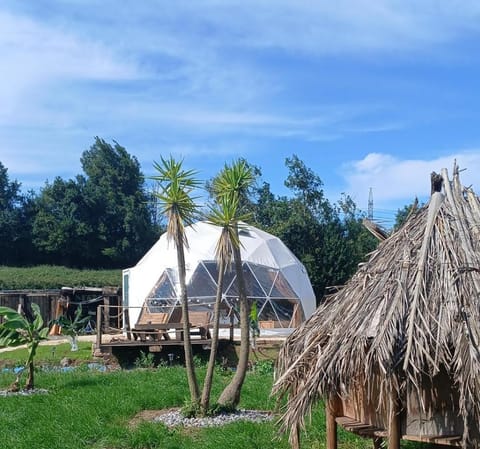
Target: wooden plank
451,440
360,428
107,347
157,326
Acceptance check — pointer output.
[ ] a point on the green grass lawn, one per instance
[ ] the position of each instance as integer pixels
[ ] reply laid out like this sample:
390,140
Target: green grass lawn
89,409
93,410
48,355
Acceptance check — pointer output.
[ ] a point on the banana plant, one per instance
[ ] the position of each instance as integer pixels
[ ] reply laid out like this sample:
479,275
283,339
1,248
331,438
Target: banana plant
16,330
72,328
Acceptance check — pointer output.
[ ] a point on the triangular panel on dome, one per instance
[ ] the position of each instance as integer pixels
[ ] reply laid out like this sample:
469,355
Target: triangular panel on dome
201,283
254,289
282,289
265,276
163,294
283,309
265,311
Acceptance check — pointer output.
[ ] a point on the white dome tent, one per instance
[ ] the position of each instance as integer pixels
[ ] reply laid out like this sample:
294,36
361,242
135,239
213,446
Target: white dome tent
275,279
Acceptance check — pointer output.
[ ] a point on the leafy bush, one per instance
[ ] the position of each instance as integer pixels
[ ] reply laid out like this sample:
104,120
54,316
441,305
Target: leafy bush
264,367
145,360
190,409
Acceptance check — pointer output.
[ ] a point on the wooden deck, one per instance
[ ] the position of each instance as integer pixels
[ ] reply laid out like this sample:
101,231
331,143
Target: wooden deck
369,431
153,331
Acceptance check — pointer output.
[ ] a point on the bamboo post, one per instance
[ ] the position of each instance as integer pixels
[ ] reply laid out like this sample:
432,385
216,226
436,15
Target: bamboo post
394,425
331,423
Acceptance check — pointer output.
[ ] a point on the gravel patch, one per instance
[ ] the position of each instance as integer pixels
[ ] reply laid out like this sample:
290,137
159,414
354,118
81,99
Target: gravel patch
5,393
175,418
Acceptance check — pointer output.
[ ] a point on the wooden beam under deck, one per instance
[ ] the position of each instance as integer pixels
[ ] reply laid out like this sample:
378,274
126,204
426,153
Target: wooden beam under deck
107,348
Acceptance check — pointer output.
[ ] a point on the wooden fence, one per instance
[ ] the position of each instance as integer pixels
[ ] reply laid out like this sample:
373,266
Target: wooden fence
65,301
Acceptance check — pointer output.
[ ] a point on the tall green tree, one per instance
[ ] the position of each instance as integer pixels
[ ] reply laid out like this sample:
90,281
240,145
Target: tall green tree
178,205
230,186
118,203
16,216
62,228
98,219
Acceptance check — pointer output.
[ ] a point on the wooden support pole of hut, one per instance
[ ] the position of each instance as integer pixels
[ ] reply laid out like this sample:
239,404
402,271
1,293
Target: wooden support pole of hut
394,424
295,437
331,411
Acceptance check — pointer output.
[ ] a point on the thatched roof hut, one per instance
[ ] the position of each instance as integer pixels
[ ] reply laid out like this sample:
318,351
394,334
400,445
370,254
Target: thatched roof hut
395,353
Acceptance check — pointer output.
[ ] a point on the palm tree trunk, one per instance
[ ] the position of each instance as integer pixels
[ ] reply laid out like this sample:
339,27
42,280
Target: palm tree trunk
231,394
207,384
187,344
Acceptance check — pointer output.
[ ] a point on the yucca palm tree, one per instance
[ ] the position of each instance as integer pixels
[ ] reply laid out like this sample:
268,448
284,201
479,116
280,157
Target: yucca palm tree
229,186
17,330
179,207
225,215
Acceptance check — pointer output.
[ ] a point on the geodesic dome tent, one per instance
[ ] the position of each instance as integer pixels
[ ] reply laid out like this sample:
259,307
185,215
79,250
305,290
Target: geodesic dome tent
275,279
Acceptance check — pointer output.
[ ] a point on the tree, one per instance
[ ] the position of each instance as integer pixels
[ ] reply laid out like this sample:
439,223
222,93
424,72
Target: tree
118,204
15,222
225,215
180,210
18,330
99,219
328,238
62,228
230,186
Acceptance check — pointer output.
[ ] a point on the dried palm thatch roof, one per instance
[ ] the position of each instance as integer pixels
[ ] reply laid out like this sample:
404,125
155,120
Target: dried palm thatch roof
410,311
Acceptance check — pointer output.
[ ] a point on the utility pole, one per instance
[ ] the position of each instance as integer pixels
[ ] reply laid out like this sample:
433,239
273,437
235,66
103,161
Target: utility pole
370,204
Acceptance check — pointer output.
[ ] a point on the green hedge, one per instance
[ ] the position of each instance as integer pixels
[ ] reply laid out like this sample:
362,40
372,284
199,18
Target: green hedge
53,277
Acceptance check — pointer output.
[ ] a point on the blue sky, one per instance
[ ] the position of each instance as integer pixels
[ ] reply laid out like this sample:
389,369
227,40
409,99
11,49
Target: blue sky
367,94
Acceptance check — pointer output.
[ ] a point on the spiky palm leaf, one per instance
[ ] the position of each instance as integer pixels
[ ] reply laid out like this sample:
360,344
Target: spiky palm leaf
176,201
225,215
233,180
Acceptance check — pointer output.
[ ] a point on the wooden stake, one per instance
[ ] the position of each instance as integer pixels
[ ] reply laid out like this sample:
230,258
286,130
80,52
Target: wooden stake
394,424
330,412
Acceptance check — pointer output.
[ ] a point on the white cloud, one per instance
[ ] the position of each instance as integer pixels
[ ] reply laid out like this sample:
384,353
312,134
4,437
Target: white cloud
34,50
326,27
397,181
37,59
